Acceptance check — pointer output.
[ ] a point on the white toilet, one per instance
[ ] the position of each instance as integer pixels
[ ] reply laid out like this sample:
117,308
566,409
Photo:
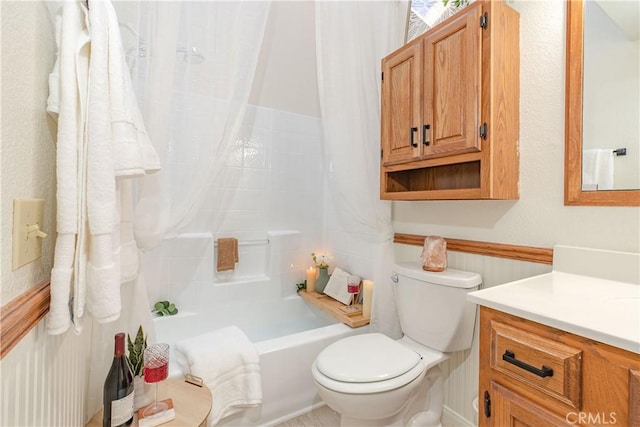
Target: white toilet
373,380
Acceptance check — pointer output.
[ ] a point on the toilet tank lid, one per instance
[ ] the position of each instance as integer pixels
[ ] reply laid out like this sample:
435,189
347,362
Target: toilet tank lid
448,277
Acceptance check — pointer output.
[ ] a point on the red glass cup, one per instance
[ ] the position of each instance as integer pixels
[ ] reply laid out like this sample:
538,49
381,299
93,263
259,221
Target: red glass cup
353,287
156,369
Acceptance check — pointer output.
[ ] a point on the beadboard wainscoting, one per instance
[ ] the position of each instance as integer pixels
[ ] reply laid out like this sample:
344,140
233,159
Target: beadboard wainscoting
44,379
461,370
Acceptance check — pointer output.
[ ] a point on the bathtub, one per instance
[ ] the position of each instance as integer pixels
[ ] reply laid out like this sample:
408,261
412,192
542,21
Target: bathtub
288,334
260,298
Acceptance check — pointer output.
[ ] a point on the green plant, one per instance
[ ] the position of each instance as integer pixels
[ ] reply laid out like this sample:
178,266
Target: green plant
301,286
135,358
164,308
458,3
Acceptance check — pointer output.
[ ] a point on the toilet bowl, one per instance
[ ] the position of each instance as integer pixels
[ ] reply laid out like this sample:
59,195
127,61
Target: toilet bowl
373,380
376,380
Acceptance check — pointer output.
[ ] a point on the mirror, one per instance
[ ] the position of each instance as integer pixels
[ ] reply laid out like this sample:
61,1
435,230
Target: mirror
601,117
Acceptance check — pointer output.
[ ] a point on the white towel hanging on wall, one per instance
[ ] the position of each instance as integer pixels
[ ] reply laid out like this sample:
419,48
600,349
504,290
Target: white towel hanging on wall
101,142
597,169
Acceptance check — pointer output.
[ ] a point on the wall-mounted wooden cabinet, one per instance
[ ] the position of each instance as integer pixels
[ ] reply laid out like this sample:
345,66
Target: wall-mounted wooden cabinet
450,102
535,375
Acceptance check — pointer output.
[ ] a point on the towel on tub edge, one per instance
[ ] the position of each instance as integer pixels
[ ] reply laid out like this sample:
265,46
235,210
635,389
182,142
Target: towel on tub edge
229,365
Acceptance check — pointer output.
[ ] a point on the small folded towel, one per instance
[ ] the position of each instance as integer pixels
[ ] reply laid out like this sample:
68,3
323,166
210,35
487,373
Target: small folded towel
227,253
229,365
434,254
597,169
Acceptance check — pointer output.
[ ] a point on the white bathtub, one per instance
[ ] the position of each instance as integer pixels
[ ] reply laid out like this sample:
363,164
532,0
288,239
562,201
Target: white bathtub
288,334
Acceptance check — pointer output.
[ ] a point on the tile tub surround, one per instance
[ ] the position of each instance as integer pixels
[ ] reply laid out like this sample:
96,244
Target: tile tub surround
597,307
278,168
274,174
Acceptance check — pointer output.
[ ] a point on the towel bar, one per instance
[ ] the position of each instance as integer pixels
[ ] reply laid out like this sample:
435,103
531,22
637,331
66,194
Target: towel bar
249,242
210,236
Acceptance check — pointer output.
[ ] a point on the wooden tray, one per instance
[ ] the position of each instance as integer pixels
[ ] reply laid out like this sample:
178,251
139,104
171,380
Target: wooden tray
336,309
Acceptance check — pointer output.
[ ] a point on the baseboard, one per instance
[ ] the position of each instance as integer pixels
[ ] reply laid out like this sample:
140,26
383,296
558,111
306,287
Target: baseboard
451,418
295,414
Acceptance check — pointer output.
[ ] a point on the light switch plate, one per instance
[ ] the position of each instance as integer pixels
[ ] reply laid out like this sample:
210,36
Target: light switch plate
27,247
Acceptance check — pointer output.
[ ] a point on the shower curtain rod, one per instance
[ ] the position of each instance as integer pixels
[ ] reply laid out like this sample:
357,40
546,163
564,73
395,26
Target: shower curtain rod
192,52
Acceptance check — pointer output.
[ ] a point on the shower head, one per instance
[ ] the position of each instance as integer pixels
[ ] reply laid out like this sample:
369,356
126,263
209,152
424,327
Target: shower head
190,54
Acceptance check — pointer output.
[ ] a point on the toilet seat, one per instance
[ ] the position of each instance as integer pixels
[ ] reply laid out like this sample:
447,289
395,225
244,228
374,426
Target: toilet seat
367,363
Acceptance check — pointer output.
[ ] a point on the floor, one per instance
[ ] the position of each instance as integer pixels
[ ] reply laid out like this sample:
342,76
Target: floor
321,417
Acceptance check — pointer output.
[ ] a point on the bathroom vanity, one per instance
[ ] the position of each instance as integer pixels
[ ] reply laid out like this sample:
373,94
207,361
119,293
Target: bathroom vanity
537,375
562,348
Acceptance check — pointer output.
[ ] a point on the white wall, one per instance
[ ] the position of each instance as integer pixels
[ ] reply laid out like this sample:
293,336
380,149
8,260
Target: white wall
539,217
44,379
28,148
286,73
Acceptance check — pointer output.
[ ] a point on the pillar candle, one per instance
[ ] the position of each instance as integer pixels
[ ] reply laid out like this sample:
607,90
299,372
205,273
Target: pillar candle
367,296
311,274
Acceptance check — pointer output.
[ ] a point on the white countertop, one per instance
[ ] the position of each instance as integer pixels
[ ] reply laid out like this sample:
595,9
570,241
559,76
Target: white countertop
602,310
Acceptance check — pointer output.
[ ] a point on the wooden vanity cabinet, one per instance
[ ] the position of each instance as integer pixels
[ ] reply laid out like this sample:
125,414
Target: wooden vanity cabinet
450,101
552,378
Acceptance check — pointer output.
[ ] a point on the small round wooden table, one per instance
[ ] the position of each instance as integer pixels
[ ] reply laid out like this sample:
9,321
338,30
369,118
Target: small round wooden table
191,403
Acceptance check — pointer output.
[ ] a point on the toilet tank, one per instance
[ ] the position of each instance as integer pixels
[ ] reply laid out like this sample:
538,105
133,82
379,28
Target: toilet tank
433,307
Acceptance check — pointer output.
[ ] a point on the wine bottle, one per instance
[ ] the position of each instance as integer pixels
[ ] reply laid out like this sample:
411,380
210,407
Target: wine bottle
118,389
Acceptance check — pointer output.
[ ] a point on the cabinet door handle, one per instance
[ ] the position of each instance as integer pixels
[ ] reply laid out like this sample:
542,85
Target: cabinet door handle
487,404
413,131
425,141
543,372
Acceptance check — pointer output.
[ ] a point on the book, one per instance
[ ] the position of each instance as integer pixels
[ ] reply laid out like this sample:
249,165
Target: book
157,419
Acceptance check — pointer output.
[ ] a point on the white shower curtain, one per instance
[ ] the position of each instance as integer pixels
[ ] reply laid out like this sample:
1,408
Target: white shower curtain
351,40
192,65
196,77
